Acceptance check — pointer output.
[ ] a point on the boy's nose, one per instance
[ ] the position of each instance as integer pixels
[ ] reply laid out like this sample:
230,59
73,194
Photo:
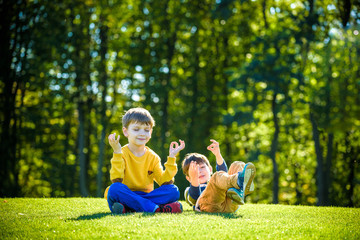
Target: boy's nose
143,132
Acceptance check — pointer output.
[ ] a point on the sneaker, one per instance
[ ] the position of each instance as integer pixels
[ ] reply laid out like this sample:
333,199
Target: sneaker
245,183
174,207
118,208
251,190
236,195
246,177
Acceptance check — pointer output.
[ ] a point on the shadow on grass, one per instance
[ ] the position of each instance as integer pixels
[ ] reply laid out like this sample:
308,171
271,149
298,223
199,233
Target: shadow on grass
146,214
224,215
102,215
91,216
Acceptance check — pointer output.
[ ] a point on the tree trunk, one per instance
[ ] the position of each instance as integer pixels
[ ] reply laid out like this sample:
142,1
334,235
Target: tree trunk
81,61
103,118
273,150
319,160
194,98
351,158
81,153
8,160
65,181
263,10
170,43
327,170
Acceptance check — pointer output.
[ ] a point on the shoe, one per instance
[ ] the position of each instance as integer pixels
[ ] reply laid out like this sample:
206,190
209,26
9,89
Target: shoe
251,190
174,207
236,195
118,208
246,177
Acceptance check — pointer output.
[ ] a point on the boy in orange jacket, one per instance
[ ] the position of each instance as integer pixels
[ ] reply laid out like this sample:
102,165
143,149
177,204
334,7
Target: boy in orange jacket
221,192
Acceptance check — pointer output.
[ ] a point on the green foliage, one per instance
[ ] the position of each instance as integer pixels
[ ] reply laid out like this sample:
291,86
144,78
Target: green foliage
79,218
205,70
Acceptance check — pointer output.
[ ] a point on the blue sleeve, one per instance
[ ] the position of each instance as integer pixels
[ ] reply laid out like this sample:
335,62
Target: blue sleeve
194,192
222,167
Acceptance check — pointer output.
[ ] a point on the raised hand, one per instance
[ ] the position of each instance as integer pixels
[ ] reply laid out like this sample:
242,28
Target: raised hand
114,142
214,147
194,174
175,148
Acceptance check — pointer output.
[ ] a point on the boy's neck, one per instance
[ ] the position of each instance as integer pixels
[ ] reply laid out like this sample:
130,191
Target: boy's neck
138,151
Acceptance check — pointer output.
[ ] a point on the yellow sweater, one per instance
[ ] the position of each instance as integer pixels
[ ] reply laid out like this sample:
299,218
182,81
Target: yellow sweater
139,173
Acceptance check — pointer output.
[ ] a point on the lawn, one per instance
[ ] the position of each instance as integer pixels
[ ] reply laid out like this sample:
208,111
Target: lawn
89,218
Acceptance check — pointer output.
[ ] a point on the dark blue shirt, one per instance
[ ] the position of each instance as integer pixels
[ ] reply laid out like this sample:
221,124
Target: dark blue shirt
195,192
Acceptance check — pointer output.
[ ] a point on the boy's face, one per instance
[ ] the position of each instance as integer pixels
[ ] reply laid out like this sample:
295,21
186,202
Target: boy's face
204,172
138,134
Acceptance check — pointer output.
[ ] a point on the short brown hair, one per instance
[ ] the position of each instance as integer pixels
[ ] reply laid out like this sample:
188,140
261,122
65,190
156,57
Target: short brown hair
140,115
196,157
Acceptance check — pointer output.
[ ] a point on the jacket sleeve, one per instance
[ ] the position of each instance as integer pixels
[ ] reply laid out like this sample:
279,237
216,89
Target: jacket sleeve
169,173
117,166
190,200
222,167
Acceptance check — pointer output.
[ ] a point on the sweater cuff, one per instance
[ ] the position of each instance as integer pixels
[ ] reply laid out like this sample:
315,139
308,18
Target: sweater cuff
117,157
171,160
117,166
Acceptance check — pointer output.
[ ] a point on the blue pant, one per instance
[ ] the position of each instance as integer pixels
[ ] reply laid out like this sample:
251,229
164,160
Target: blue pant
142,201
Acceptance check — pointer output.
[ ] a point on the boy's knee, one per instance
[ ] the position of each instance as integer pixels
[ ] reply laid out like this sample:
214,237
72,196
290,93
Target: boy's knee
236,167
114,188
215,176
173,188
173,191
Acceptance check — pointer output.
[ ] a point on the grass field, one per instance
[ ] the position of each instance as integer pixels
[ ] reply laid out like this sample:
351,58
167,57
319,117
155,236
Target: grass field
89,218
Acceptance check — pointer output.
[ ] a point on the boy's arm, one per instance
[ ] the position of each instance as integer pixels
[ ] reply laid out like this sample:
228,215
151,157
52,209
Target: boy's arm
167,176
117,161
222,167
114,142
194,190
117,168
189,195
215,149
175,148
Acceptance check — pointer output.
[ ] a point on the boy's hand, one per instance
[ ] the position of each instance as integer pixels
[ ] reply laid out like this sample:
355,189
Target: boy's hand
175,148
215,149
194,174
114,143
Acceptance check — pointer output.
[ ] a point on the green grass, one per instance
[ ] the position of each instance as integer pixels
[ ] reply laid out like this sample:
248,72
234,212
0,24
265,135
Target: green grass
89,218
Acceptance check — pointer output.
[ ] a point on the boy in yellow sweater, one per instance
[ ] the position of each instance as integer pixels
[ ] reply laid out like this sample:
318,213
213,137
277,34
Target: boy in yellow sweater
135,167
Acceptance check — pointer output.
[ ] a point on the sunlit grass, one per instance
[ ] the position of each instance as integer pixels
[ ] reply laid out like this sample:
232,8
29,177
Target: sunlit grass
89,218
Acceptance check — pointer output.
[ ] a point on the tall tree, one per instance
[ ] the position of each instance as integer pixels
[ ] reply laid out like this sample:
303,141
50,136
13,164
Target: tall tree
81,58
103,85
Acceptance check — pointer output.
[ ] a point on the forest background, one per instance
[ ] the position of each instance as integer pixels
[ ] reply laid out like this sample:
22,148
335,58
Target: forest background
275,82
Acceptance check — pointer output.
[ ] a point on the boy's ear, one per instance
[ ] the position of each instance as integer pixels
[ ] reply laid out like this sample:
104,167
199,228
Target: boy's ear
188,178
211,170
125,132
